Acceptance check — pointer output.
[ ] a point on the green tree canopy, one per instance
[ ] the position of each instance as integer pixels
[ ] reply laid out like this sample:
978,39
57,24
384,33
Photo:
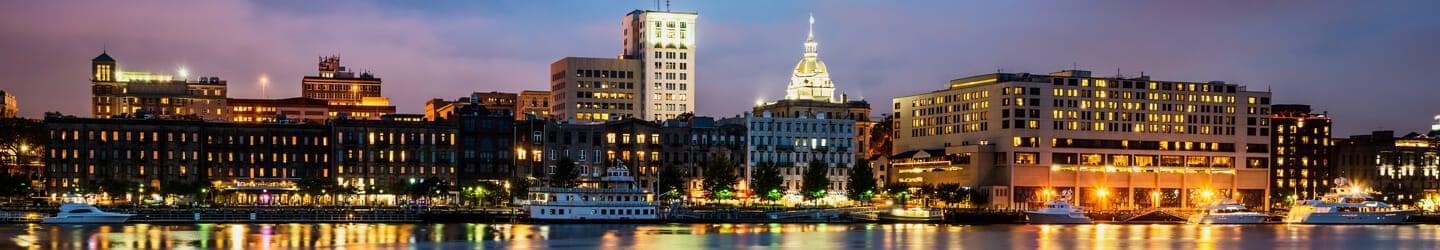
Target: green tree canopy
720,178
566,173
862,182
672,181
815,182
766,181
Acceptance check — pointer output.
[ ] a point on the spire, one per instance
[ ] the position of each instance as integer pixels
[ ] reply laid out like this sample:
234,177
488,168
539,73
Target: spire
811,49
811,36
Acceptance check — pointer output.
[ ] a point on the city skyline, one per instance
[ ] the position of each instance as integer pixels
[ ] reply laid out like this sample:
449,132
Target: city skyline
1323,54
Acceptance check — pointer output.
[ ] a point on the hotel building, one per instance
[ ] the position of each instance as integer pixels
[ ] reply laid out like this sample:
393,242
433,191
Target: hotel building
356,96
1300,154
116,93
653,78
1110,142
391,150
1401,170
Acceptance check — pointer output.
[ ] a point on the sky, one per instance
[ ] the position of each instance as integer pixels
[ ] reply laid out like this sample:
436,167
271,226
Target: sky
1367,63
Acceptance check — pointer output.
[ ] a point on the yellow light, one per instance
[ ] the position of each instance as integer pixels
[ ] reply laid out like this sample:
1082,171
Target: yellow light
1207,194
1101,192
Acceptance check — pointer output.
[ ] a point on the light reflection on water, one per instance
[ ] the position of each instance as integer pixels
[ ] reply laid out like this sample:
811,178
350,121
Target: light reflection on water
687,236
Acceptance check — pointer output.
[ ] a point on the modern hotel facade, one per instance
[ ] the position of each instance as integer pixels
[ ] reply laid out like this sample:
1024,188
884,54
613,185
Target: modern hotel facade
1111,142
1300,154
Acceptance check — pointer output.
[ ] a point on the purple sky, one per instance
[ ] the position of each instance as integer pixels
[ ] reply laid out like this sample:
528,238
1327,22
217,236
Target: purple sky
1366,62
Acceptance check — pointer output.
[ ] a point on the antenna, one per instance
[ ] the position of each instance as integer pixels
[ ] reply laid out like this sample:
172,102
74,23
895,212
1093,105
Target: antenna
667,5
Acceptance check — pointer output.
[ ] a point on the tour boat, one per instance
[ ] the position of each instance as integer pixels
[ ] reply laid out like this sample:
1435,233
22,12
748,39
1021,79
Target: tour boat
1346,206
1226,211
913,214
1058,212
615,198
75,213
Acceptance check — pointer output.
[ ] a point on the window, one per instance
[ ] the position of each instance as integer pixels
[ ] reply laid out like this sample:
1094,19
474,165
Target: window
1027,158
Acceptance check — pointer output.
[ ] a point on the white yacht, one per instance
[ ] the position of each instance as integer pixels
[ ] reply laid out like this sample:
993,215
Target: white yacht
615,198
76,213
1346,205
1058,212
913,214
1226,211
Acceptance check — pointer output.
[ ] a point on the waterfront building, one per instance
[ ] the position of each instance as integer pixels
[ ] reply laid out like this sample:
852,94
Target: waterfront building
1113,142
636,144
485,140
533,103
117,93
1299,155
9,108
811,93
88,155
1401,170
393,151
288,110
530,146
494,102
350,94
689,142
583,144
596,90
792,142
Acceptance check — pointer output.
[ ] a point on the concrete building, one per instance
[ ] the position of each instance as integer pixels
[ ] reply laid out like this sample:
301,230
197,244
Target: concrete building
653,78
392,150
494,102
486,141
1300,154
533,103
9,108
1401,170
117,93
1112,142
665,42
595,90
288,110
791,142
354,95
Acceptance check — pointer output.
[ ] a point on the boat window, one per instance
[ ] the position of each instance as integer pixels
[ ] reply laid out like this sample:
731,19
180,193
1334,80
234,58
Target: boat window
80,211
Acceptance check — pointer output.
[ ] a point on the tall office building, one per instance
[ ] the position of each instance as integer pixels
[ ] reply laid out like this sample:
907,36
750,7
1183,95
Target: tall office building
1111,142
8,107
652,79
665,42
116,93
1300,154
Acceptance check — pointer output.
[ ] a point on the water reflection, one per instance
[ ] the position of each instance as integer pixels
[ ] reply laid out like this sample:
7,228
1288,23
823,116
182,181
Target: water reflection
686,236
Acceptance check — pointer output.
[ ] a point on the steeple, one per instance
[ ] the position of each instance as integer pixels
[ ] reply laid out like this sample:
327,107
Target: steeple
811,80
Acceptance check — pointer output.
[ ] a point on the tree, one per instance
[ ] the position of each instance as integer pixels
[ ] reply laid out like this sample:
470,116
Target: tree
862,182
720,179
766,181
14,186
565,174
815,181
952,194
899,191
519,188
116,188
672,181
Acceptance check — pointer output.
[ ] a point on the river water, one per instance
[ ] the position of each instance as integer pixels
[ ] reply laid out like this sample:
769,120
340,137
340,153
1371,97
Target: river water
723,236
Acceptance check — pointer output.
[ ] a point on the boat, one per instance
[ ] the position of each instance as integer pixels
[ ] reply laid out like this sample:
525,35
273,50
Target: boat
1058,211
1346,204
616,197
914,214
1226,211
79,213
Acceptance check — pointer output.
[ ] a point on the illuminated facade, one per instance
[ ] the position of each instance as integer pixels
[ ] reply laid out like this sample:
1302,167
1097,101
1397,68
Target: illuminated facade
533,103
1300,154
117,93
288,110
811,93
8,107
391,151
688,142
85,155
595,90
1401,170
791,142
664,41
355,96
1114,142
495,102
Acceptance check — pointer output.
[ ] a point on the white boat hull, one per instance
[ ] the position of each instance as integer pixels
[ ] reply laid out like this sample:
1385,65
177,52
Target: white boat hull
1046,218
89,219
1237,218
1357,218
582,213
